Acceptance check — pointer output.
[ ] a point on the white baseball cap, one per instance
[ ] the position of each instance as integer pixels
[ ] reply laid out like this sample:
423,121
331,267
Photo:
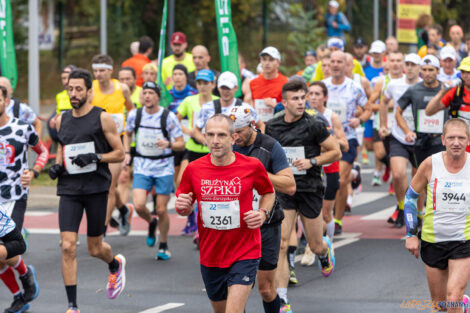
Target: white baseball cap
227,79
448,52
271,51
242,115
335,42
333,4
413,58
377,46
430,60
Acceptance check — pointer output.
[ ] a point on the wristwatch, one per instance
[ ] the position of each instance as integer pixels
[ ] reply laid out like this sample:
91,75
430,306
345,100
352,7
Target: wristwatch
313,161
99,157
265,212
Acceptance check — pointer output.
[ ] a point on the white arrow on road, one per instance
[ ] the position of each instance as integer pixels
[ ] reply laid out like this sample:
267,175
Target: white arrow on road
163,308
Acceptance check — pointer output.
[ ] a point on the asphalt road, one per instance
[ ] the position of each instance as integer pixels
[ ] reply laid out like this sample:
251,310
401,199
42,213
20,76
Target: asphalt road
374,272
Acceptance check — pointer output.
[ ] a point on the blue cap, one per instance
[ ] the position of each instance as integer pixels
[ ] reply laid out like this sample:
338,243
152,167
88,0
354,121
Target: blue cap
206,75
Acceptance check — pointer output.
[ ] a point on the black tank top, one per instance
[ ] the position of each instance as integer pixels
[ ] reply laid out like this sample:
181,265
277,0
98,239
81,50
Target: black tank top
80,130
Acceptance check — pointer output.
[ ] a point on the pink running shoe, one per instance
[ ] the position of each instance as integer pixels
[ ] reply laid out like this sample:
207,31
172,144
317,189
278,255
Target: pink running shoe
117,281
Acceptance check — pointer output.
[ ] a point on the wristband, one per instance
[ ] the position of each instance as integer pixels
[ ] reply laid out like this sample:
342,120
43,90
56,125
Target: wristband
265,212
36,173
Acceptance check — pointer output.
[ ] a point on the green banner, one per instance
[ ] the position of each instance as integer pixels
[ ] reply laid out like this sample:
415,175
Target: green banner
228,47
7,45
166,98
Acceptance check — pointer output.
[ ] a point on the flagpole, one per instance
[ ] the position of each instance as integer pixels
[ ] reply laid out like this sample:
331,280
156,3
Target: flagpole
33,56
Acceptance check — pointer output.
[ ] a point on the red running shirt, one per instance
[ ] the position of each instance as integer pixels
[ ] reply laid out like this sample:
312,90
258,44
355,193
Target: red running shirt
262,88
222,184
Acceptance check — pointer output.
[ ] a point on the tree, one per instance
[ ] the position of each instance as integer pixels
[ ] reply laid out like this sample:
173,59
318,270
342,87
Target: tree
306,33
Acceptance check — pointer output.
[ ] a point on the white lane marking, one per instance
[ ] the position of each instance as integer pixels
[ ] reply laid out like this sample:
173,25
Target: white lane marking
380,215
39,213
367,197
47,231
347,239
163,308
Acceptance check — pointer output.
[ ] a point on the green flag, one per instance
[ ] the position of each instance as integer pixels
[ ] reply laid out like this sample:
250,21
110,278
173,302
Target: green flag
7,45
228,48
166,98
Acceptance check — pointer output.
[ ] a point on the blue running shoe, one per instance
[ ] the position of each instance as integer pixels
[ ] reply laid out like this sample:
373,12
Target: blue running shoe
327,265
18,305
30,284
151,237
163,254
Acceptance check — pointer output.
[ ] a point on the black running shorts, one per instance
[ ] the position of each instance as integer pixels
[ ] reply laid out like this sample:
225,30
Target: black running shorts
437,255
71,209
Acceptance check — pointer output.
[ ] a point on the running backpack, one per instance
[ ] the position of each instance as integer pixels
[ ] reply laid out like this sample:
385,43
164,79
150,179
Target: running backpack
163,124
218,106
457,102
16,108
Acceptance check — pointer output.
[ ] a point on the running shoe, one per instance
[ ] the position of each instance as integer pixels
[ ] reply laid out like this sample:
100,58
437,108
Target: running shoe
113,222
327,265
338,229
391,191
386,175
376,181
356,182
18,305
191,225
465,301
400,222
30,284
73,310
365,158
196,240
117,281
163,254
151,237
308,257
292,277
125,220
25,234
393,217
285,307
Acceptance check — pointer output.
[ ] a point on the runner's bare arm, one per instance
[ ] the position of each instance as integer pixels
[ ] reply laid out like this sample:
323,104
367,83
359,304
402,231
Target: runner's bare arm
255,219
110,132
367,113
261,126
178,144
283,181
436,105
248,98
422,176
375,94
332,152
58,157
402,124
38,126
339,132
366,85
384,103
197,134
126,92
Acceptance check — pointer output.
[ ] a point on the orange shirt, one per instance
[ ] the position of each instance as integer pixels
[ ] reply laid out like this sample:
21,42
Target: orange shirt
262,88
137,62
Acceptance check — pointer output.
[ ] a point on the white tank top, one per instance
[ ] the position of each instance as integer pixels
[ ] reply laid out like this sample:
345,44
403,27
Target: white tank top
446,216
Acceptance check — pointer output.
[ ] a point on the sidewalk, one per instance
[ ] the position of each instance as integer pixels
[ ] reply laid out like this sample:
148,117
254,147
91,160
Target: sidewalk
43,198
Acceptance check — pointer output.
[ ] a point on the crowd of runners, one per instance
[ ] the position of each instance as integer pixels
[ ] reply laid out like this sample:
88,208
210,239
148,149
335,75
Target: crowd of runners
253,161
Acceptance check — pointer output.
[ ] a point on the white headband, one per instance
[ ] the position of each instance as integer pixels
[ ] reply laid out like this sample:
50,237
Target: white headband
96,66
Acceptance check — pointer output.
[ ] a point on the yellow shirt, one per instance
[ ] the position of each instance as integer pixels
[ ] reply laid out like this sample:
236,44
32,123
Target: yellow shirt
135,97
320,76
170,62
63,102
114,103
